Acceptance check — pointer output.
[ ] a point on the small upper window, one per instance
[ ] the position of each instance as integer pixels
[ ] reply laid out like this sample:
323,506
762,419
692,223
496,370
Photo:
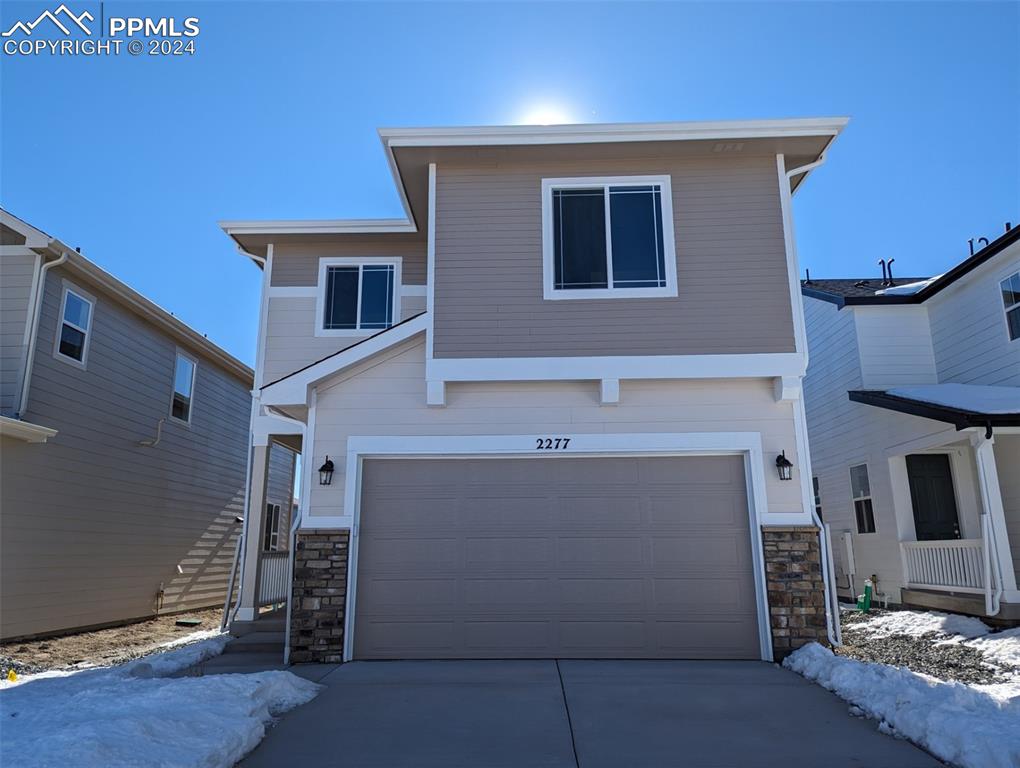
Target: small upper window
818,497
271,536
860,489
358,297
184,385
1011,303
75,322
608,237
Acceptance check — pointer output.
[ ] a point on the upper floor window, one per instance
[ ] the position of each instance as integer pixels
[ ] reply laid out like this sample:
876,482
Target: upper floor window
608,237
860,490
271,535
818,497
1011,302
75,325
184,386
357,296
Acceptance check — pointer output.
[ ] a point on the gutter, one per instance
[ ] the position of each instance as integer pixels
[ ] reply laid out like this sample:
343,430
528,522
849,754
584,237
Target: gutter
36,312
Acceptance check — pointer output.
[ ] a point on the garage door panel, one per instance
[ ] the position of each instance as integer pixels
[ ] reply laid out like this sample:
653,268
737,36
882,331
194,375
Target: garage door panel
555,557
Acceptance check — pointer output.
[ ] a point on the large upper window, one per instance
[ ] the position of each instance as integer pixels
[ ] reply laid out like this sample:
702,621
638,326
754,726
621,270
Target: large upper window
184,386
1011,302
860,490
610,237
358,296
75,325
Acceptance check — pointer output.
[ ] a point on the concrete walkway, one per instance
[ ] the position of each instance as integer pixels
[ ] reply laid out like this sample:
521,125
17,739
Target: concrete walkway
576,714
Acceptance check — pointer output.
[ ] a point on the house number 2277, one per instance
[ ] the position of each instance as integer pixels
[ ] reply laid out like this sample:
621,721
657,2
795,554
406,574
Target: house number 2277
551,443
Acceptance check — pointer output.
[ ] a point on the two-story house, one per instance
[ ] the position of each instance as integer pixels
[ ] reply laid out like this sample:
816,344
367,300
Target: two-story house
555,411
123,444
913,406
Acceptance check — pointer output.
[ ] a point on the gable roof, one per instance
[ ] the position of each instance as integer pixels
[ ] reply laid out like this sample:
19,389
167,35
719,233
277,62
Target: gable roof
183,333
865,292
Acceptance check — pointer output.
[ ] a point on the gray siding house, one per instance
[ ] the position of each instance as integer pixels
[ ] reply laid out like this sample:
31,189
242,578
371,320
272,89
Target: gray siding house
124,442
913,410
554,411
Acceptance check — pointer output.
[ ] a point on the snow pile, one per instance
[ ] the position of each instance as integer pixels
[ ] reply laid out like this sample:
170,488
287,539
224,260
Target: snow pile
907,289
920,623
957,723
1000,648
132,715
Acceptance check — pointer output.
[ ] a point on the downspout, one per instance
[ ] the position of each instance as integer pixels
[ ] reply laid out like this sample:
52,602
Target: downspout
36,313
832,628
247,478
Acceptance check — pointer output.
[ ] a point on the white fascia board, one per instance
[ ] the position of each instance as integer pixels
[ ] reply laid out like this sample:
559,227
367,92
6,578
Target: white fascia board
317,226
617,367
610,132
25,430
294,389
34,238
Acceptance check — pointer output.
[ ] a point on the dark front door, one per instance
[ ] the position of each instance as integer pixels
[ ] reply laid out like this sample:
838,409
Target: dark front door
932,496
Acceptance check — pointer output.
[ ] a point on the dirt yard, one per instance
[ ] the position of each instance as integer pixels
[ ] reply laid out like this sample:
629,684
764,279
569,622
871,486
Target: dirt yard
101,647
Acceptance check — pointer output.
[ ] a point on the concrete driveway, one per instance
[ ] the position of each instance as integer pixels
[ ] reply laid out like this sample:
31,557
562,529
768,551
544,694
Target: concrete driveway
576,714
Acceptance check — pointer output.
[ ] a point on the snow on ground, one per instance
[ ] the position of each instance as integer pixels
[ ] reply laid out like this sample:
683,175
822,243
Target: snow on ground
919,623
134,715
962,724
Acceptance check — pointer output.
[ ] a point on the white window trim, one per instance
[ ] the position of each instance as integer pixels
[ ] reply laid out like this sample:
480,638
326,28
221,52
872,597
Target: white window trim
69,287
854,499
549,251
173,386
355,261
1005,309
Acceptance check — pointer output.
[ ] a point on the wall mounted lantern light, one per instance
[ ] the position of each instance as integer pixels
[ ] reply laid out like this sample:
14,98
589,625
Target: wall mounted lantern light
326,472
784,467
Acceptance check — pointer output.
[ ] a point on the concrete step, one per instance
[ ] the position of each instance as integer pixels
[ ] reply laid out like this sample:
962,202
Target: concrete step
256,642
242,628
240,663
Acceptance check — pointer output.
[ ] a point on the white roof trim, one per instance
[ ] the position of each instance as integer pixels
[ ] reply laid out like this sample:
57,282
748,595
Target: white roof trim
606,132
316,226
293,389
25,430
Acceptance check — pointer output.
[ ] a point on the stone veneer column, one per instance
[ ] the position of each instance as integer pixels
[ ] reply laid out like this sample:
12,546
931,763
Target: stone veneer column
796,590
319,595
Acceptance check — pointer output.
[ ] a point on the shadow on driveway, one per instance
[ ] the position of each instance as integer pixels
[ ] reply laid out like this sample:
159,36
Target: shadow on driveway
576,714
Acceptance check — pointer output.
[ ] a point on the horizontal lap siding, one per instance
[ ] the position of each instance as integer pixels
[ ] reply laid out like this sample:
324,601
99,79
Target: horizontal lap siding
387,397
92,522
969,328
731,266
1007,459
15,294
296,263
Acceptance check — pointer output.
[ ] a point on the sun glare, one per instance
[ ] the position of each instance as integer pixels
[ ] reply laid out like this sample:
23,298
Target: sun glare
546,114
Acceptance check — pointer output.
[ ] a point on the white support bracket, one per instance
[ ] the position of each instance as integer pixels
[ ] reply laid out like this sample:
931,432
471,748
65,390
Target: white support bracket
435,393
609,392
787,388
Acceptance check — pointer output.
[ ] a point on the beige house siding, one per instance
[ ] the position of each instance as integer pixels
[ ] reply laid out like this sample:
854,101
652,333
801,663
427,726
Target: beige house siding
280,487
386,396
734,294
1007,460
296,261
93,524
291,342
16,274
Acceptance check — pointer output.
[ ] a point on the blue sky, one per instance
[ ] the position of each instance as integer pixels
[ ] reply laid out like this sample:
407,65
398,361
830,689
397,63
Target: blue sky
135,159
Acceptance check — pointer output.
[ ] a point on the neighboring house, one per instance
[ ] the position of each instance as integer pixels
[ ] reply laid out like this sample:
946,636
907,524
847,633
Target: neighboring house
541,416
913,405
123,456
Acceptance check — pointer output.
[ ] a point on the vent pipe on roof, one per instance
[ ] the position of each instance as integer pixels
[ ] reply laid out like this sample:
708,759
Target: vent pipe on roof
885,277
888,268
1009,226
807,277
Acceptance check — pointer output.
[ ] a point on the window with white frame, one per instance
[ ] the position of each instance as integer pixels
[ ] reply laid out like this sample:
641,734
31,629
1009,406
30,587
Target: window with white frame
75,325
271,538
1011,303
184,386
860,490
608,237
818,497
358,295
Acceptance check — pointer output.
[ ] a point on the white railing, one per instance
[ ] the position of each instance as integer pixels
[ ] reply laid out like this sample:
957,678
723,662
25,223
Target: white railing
273,581
956,565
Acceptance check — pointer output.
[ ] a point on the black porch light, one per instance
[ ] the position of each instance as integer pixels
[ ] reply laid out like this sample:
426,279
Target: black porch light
326,472
784,467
